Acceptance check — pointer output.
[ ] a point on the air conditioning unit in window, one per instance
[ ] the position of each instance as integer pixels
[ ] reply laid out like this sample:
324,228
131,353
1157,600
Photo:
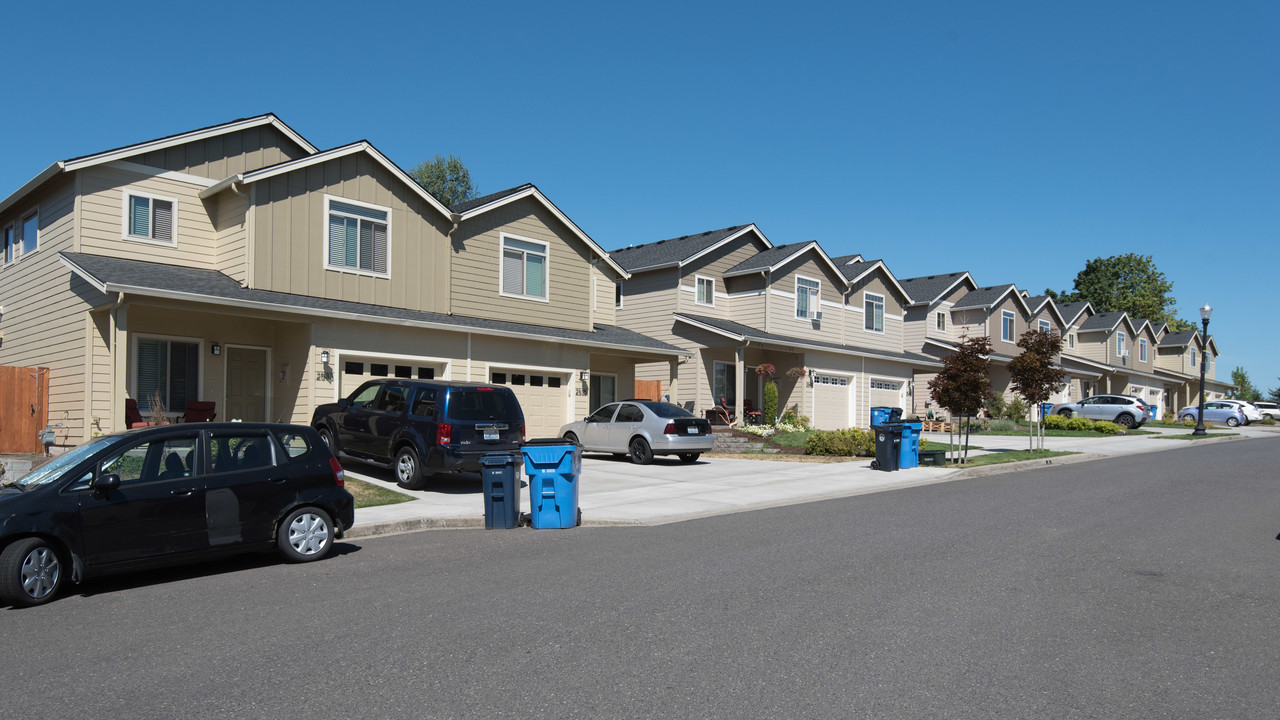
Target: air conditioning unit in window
817,315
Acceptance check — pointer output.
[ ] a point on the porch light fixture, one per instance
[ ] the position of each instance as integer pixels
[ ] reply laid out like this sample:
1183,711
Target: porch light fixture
1205,312
586,376
324,356
216,349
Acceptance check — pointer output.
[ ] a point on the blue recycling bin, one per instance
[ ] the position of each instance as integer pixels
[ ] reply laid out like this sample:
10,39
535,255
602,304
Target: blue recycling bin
1045,409
553,467
909,455
501,490
885,415
1153,412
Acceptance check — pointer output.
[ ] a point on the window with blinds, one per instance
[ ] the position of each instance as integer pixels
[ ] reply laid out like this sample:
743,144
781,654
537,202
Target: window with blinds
150,218
807,298
873,312
524,268
357,237
169,369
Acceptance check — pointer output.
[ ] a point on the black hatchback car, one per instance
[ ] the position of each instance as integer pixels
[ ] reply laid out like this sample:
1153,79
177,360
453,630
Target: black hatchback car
422,427
169,494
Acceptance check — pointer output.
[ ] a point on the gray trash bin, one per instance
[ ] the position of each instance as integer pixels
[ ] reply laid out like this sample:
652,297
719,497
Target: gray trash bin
501,490
888,447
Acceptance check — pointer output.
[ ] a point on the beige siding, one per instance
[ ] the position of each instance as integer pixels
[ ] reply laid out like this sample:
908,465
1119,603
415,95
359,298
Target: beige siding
856,334
225,155
230,221
288,228
103,226
782,305
648,300
714,265
603,310
998,345
478,258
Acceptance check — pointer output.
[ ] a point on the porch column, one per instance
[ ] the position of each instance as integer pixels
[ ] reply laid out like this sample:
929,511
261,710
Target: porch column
739,383
673,380
119,365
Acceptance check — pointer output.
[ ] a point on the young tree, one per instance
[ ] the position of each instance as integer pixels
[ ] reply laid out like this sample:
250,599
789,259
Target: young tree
1035,377
1244,388
446,178
1126,283
962,385
1274,394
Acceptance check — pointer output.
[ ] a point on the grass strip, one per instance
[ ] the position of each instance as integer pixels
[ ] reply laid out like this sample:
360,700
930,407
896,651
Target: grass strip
370,495
1197,437
1013,456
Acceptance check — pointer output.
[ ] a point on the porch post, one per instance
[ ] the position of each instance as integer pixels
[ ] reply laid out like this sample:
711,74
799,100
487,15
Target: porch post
673,380
739,383
119,365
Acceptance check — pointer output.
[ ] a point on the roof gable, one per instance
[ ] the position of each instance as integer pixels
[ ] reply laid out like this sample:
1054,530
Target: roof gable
678,252
989,297
930,289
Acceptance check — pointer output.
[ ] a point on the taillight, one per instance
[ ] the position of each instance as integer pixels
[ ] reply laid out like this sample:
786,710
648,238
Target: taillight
670,429
444,434
523,438
339,475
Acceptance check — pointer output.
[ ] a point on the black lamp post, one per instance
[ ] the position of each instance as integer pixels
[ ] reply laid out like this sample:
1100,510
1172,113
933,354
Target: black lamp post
1205,312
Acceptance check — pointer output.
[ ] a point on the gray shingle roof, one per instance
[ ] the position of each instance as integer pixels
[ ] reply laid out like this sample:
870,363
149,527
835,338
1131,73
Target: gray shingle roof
982,297
930,287
491,197
1101,321
669,252
767,258
852,270
740,330
213,286
847,259
1071,310
1181,338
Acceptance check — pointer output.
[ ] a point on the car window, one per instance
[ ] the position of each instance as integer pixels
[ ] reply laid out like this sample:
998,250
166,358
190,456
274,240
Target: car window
603,415
391,400
1091,401
240,451
667,410
166,459
294,443
482,404
629,413
365,395
424,403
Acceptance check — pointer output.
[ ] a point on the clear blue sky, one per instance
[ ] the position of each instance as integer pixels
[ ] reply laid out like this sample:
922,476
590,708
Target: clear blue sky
1014,140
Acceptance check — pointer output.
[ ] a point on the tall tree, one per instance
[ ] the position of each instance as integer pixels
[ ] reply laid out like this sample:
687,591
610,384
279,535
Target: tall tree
1244,389
1126,283
1035,377
1274,394
446,178
962,385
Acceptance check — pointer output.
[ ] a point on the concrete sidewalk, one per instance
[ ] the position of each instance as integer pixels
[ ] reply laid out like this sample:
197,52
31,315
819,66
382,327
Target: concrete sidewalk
614,492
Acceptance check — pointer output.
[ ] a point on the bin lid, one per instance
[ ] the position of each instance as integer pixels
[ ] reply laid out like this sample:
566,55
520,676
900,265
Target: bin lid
498,458
547,441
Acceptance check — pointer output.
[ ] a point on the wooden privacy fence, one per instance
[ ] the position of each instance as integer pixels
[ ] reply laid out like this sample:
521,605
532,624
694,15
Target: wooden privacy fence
648,390
24,408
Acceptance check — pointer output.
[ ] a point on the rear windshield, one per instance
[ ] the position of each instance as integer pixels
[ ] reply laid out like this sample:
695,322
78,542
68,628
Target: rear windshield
667,410
475,405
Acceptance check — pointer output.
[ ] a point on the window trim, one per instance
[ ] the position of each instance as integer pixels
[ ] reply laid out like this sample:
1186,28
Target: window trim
940,321
1071,341
816,307
1193,357
697,286
20,240
200,367
12,231
1120,344
1044,326
324,225
617,294
124,214
1013,325
1142,349
546,254
874,299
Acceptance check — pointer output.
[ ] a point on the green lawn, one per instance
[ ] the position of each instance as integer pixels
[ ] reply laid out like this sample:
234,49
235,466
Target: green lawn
1059,433
1197,437
1008,457
791,439
369,495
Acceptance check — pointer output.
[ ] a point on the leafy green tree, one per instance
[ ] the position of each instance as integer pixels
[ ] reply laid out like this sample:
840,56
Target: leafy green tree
1244,388
1126,283
1035,376
961,386
1274,394
446,178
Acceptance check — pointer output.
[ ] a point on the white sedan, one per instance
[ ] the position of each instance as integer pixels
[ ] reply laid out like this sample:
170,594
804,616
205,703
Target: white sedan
1251,413
642,429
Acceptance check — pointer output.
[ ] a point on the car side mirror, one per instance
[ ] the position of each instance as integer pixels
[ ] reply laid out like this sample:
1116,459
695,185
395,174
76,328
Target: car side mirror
344,403
105,483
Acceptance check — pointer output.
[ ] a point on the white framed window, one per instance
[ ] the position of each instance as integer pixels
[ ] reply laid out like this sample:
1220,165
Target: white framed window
873,312
1006,326
807,293
358,236
884,385
150,218
617,294
1193,357
941,321
10,239
1142,349
168,368
706,290
1044,326
524,267
28,240
1120,344
1071,341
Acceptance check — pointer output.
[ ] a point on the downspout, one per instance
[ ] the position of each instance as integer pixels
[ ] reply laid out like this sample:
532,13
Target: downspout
456,219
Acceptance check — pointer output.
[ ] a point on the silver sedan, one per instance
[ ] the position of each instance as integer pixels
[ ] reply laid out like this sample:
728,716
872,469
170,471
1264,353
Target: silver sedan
642,429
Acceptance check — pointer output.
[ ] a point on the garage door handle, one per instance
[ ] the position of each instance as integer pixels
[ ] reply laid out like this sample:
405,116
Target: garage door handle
183,491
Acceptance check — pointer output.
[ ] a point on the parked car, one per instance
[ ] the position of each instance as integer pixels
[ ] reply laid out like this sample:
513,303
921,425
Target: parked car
642,429
422,427
1251,411
1216,411
169,494
1123,410
1268,409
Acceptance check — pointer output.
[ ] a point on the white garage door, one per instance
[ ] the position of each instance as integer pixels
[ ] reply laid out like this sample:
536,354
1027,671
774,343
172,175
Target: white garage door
354,370
831,401
884,393
544,398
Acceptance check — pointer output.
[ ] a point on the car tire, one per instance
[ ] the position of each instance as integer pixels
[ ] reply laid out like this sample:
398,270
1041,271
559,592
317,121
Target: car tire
1064,413
688,458
639,450
30,573
331,442
572,438
408,469
306,535
1232,422
1125,420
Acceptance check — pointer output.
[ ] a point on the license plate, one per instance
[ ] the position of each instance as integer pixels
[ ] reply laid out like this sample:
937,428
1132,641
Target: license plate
490,434
692,430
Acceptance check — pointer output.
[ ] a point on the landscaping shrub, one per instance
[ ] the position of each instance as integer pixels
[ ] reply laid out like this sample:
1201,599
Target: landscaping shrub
770,401
1102,427
849,442
791,417
1168,418
1079,423
996,406
1015,410
1003,425
1188,422
1055,422
1267,421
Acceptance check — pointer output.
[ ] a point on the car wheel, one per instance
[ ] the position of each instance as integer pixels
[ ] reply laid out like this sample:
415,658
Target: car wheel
409,470
1064,413
1124,420
572,438
305,535
1232,422
30,573
640,452
329,441
688,457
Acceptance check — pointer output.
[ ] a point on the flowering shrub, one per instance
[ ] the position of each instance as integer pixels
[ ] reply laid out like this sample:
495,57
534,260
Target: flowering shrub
766,369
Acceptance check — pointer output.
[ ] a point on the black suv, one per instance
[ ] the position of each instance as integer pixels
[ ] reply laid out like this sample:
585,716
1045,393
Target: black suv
423,427
165,494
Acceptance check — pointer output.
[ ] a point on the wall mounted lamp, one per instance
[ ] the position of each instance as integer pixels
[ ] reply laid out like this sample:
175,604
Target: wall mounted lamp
324,356
216,349
586,376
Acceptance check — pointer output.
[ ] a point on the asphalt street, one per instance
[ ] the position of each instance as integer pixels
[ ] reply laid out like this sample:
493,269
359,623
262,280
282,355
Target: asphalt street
1139,587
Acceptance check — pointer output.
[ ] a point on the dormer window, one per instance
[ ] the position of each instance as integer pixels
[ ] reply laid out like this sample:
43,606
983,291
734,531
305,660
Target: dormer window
524,267
357,236
1119,344
1071,341
1193,357
873,312
150,218
1006,325
1142,349
706,290
941,321
807,298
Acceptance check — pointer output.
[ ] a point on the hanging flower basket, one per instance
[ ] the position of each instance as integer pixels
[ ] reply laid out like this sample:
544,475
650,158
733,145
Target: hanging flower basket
766,369
796,373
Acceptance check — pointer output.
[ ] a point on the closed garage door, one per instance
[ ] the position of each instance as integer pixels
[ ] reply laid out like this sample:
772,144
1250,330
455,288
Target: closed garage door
354,370
884,393
543,396
831,401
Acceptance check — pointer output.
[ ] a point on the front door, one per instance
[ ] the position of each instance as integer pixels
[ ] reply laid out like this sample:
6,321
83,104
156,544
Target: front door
603,390
246,384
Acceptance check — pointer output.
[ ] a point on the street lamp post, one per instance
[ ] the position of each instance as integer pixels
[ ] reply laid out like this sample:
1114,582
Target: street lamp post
1205,312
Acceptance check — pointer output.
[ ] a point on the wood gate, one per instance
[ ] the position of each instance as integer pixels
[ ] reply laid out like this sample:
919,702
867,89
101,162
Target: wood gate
24,408
648,390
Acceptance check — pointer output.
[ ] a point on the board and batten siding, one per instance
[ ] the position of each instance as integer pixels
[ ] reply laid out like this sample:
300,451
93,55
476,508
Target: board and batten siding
103,219
477,259
288,237
225,155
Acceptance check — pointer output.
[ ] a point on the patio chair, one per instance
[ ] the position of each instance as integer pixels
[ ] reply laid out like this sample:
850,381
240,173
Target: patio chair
200,411
132,417
754,416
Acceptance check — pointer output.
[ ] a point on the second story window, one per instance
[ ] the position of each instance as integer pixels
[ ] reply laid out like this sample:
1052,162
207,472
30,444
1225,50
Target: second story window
9,239
706,290
1006,326
357,238
524,267
873,312
1120,344
617,294
1044,326
1142,350
1071,341
29,233
148,217
941,321
807,298
1193,358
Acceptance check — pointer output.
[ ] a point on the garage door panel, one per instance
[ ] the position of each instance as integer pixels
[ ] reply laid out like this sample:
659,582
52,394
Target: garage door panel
544,398
831,401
